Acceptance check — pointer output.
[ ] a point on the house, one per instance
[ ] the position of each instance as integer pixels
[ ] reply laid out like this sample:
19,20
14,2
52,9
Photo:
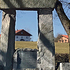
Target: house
21,35
63,39
0,35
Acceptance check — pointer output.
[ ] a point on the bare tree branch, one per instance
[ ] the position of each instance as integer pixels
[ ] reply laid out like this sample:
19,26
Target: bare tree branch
64,19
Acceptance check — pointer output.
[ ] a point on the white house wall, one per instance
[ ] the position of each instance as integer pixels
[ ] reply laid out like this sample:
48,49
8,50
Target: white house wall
26,38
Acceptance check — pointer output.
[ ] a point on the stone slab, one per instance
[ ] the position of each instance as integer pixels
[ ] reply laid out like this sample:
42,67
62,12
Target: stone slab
22,4
25,58
64,66
28,69
7,39
46,53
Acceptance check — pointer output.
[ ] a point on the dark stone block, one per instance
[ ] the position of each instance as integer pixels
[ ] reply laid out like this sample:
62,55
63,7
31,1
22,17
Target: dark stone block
26,59
1,67
22,4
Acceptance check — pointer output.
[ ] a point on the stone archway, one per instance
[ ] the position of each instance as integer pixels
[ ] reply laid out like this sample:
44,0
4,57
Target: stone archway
45,43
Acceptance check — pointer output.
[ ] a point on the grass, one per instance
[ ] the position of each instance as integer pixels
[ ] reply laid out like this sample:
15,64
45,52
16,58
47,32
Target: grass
61,48
24,44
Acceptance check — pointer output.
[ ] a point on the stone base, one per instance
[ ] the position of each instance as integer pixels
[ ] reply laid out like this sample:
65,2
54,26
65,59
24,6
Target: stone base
1,67
28,69
64,66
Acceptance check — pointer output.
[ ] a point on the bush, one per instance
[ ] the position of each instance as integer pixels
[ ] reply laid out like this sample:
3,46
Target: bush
59,58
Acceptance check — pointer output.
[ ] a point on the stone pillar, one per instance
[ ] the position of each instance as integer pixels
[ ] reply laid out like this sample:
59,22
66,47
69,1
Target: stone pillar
46,53
7,39
64,66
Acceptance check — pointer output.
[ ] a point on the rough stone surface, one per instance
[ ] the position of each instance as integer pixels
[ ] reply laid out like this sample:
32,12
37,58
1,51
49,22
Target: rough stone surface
25,58
46,53
28,69
7,39
22,4
64,66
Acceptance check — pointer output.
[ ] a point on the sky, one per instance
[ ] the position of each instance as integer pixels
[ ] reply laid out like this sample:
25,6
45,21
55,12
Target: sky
28,21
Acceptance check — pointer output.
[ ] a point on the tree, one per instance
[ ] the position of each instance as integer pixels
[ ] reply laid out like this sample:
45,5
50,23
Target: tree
64,19
58,37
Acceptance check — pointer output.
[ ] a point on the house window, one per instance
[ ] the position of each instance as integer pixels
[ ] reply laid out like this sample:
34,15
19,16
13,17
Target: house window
62,40
65,40
21,37
21,32
27,37
16,36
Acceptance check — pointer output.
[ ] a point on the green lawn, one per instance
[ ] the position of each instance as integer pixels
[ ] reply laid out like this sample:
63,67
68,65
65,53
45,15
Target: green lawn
25,44
62,48
59,47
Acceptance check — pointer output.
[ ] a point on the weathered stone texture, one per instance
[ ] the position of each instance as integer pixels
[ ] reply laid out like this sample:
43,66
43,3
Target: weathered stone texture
28,69
64,66
25,58
7,38
46,53
4,4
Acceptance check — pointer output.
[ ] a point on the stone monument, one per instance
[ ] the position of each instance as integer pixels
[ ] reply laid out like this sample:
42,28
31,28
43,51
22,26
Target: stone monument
64,66
45,43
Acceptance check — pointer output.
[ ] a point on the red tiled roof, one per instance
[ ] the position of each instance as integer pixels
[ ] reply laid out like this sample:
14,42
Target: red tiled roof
25,33
65,36
0,35
18,31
